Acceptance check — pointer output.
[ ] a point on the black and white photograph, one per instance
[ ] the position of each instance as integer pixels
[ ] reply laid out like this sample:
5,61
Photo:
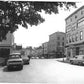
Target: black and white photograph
42,41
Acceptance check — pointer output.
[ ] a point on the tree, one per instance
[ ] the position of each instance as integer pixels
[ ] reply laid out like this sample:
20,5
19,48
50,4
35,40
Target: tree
14,13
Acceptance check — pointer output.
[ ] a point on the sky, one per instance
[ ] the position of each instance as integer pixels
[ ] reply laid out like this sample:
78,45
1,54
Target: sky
36,35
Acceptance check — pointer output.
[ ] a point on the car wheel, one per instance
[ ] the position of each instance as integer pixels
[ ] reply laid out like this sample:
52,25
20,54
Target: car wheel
79,63
9,68
28,63
21,67
71,61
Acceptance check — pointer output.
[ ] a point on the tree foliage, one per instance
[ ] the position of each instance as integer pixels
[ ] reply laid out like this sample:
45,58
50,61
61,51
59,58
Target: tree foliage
14,13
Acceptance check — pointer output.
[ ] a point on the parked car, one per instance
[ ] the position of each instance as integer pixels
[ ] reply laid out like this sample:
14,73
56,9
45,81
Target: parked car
25,59
15,61
79,59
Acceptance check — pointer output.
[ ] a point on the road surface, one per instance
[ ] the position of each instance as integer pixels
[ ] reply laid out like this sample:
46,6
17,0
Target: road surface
44,71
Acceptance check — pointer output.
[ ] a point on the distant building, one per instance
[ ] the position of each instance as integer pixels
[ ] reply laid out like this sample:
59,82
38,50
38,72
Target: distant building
56,44
45,49
38,51
6,46
75,33
29,51
17,48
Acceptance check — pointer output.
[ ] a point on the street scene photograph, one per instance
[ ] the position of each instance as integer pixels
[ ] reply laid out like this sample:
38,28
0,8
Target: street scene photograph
42,41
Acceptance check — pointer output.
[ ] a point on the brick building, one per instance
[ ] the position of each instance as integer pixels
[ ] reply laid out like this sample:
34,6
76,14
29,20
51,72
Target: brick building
56,44
75,33
45,49
6,46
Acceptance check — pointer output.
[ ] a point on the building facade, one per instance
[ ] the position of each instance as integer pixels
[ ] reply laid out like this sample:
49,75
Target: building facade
6,46
45,49
75,33
38,51
56,44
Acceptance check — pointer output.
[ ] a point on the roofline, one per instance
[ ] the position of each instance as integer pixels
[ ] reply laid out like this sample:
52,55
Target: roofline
74,12
57,32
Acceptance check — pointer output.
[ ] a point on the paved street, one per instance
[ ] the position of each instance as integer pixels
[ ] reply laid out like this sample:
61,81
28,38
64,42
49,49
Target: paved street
44,71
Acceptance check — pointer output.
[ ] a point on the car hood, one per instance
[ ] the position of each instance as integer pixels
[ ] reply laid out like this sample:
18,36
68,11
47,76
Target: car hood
25,58
15,60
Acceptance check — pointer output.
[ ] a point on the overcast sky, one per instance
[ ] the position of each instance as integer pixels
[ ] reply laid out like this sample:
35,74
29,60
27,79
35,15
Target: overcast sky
36,35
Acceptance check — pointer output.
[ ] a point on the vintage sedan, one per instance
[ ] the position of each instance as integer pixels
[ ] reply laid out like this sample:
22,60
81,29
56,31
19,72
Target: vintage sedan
79,59
15,61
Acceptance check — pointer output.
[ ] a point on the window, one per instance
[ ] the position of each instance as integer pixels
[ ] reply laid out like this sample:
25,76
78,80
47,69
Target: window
76,37
73,26
81,22
68,29
67,36
70,39
62,43
73,38
81,35
58,43
58,38
75,16
71,19
67,41
63,38
81,12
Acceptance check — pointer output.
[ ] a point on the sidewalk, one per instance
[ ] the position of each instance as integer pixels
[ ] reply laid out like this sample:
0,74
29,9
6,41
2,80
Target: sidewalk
63,60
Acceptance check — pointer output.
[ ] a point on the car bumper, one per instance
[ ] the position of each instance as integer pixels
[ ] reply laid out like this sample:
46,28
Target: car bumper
14,65
82,62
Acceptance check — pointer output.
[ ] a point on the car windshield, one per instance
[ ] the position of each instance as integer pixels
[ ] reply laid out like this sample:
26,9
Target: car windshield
14,56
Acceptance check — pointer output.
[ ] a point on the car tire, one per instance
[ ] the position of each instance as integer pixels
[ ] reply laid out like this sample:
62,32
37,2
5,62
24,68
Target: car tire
79,63
71,61
9,68
28,63
21,67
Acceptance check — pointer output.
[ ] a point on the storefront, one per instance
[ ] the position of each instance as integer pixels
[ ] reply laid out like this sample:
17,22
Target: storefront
73,50
5,51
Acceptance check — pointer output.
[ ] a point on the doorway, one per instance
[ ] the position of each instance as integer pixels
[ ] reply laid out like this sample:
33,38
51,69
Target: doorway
77,50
